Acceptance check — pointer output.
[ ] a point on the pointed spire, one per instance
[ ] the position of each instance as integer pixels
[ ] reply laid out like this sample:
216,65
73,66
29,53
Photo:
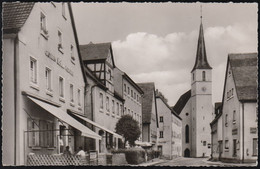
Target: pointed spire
201,57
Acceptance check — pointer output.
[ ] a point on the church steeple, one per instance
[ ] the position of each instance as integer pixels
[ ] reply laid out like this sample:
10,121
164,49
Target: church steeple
201,57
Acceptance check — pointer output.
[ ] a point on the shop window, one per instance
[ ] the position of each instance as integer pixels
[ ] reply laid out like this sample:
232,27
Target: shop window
203,76
161,134
107,104
255,146
79,97
117,109
61,87
113,106
48,79
33,70
71,93
187,134
60,44
161,119
43,23
101,100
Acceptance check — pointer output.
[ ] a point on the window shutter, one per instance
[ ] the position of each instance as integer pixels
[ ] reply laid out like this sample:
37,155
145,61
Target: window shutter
29,134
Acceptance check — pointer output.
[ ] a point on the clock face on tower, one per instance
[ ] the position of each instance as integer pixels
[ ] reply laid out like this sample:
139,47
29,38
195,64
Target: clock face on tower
203,88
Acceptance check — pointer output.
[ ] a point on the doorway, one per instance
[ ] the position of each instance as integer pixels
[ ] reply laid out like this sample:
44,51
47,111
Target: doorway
187,153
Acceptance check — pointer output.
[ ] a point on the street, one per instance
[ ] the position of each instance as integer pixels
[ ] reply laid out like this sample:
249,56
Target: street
182,161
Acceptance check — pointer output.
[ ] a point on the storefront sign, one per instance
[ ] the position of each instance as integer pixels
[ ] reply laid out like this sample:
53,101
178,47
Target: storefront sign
59,62
252,130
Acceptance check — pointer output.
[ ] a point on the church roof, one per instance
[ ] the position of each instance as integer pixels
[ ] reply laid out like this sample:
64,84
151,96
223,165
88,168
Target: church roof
182,102
147,101
15,14
244,70
201,56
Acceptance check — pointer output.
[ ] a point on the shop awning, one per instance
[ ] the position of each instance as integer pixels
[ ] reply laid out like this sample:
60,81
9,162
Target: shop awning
63,116
98,125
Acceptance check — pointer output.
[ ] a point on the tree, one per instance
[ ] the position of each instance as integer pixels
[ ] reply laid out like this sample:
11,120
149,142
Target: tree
128,128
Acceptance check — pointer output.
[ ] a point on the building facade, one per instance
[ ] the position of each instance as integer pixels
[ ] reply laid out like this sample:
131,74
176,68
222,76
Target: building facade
105,105
195,106
169,131
43,80
239,118
149,114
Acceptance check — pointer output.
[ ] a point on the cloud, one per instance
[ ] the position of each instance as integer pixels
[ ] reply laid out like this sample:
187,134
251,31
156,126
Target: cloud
168,60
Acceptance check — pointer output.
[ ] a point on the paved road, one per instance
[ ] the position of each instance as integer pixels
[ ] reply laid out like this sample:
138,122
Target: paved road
181,161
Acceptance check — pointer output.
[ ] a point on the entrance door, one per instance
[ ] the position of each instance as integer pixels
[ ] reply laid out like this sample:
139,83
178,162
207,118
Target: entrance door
234,148
160,149
220,149
187,153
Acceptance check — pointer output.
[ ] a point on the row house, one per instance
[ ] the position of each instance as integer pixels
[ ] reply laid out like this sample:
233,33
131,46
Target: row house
104,104
170,129
132,94
149,114
43,81
239,111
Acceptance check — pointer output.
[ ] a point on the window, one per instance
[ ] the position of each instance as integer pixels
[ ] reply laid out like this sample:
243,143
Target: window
161,134
187,134
137,98
226,120
72,52
124,87
61,87
117,109
48,79
125,111
204,143
203,128
33,70
33,127
226,144
109,74
131,93
132,113
121,110
79,96
203,76
129,111
234,148
187,114
232,92
107,104
128,90
161,118
255,147
134,95
113,106
60,47
43,23
234,116
63,10
71,93
101,100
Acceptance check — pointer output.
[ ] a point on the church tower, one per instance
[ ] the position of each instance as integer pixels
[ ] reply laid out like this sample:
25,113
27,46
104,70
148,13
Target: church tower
201,101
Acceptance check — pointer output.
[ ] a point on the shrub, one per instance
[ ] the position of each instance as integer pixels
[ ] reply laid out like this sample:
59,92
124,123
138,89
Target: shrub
133,155
151,154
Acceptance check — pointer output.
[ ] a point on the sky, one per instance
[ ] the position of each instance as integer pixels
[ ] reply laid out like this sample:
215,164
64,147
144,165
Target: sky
156,42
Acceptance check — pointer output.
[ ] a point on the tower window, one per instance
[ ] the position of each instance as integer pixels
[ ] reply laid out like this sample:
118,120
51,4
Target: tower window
187,134
203,76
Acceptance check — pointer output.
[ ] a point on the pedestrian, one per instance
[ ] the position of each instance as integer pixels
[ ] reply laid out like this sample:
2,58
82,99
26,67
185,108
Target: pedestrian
67,151
82,154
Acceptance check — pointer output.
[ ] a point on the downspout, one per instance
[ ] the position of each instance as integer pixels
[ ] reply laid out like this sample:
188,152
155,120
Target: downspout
243,134
15,97
91,97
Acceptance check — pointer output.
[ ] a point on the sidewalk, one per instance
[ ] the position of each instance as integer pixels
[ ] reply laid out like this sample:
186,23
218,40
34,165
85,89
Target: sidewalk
152,162
219,163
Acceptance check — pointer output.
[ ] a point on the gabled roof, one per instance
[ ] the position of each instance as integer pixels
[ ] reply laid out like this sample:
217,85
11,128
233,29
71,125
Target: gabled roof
147,101
244,71
14,15
201,57
182,102
133,83
97,51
